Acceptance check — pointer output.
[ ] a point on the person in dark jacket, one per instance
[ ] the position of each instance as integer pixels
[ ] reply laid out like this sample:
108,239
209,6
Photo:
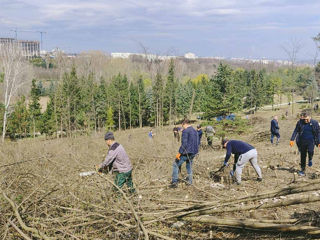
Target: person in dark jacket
199,130
244,153
275,129
307,136
187,151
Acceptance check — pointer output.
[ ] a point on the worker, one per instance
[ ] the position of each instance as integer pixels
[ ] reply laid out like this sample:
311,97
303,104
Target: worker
307,136
176,133
209,134
244,153
118,161
187,151
274,129
199,130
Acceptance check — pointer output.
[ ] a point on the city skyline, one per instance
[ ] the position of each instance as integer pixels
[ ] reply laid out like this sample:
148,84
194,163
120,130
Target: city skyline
229,28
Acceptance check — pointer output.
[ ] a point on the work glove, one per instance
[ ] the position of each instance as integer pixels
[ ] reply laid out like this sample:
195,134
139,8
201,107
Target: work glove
98,168
225,163
319,145
291,143
178,156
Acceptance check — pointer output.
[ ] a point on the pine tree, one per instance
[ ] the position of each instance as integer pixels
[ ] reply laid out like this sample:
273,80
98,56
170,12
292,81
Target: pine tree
222,94
141,102
158,95
109,121
34,106
48,124
18,126
170,94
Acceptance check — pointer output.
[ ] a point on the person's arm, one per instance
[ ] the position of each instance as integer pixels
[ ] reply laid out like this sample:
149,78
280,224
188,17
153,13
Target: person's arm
112,154
295,132
184,142
228,154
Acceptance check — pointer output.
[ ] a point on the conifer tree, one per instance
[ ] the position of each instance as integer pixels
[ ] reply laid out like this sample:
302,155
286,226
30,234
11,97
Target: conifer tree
109,121
34,107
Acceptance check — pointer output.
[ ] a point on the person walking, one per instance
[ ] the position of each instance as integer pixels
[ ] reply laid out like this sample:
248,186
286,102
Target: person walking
274,129
307,136
199,130
244,153
118,161
187,151
209,134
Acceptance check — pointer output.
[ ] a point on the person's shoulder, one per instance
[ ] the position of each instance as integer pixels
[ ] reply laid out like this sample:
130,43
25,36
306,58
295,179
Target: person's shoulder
115,146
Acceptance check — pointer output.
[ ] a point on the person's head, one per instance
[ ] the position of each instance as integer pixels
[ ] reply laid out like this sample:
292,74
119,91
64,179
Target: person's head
275,117
224,142
305,116
198,127
109,138
185,123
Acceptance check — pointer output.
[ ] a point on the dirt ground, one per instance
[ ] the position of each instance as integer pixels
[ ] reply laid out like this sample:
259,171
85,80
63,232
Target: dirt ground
41,178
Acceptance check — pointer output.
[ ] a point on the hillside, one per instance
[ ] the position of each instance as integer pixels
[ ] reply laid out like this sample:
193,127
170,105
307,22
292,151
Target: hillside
40,182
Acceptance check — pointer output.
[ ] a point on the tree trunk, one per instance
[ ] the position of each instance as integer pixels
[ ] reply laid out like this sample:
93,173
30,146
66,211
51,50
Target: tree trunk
140,115
4,126
192,101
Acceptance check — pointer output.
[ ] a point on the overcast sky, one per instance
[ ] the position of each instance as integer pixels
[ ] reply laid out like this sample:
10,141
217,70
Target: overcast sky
228,28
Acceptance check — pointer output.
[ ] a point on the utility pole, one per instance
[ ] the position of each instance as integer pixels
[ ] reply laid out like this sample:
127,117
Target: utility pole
15,33
41,44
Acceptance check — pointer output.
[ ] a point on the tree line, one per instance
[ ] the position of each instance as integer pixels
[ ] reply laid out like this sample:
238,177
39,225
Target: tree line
81,104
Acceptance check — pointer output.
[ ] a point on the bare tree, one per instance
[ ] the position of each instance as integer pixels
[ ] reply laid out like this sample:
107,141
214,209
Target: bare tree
292,49
13,66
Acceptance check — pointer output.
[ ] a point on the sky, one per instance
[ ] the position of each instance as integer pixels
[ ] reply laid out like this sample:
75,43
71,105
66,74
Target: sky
225,28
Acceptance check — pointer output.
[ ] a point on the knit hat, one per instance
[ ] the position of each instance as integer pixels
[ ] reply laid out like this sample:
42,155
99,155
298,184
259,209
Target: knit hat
108,136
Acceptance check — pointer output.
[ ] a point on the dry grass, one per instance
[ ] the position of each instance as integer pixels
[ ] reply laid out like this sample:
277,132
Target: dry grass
52,198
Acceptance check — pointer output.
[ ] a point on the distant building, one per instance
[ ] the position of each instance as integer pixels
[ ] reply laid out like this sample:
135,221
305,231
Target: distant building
29,49
190,55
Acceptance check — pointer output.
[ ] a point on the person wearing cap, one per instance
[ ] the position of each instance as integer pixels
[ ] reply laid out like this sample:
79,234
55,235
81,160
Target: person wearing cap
307,136
118,161
244,153
275,129
199,130
187,151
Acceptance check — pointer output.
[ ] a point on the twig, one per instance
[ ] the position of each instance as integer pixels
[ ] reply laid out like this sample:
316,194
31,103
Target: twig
19,230
34,231
145,232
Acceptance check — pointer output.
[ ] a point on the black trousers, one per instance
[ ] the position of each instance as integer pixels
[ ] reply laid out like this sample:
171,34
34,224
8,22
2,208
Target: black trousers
305,146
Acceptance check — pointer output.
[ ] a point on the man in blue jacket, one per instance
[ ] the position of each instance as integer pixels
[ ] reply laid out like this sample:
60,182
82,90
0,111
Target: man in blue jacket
307,136
274,129
244,153
187,151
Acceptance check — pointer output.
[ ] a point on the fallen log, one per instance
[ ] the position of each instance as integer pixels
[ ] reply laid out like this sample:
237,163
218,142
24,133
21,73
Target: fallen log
252,224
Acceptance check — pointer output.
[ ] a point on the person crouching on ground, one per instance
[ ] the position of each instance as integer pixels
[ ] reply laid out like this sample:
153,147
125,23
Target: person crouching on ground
275,129
307,135
187,151
117,160
244,153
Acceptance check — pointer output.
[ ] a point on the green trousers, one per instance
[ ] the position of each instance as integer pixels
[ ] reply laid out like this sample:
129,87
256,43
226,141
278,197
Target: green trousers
122,178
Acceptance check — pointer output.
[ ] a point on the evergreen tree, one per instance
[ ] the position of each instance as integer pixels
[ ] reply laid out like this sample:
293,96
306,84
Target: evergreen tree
48,124
141,102
222,94
157,96
34,107
109,121
170,94
18,126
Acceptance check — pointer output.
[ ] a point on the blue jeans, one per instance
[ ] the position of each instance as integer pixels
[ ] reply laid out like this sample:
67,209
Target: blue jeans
272,136
176,164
